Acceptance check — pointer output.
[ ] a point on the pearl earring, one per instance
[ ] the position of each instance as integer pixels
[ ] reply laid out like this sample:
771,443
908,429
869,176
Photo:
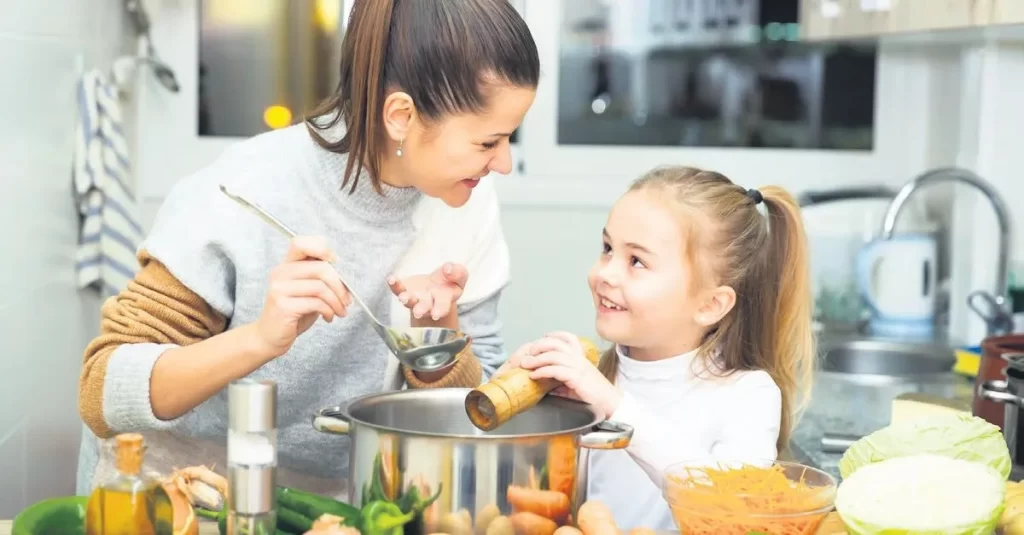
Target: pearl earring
399,152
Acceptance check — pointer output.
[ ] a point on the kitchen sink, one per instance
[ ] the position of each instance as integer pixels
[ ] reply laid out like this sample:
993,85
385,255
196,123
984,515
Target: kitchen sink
886,359
858,378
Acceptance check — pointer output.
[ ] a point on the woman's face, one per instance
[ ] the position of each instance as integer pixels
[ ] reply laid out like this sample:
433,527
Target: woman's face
448,158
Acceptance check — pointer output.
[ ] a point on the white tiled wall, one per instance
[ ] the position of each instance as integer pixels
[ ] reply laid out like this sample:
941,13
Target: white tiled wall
44,321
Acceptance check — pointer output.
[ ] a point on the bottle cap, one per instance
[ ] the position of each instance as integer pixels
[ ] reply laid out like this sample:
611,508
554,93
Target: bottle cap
128,456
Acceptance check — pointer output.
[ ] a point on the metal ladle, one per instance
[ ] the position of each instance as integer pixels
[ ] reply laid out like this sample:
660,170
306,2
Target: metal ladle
423,349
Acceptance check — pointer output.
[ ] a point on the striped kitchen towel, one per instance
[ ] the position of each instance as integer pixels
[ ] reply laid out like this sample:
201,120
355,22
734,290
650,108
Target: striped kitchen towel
110,234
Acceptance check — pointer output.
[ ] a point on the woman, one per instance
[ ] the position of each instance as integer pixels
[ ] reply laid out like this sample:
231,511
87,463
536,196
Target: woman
428,96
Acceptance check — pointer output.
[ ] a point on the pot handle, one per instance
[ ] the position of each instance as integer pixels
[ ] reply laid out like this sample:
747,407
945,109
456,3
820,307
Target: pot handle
999,391
607,435
332,420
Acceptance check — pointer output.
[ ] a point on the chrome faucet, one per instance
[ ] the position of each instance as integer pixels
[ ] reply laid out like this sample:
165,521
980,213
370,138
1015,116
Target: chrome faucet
956,174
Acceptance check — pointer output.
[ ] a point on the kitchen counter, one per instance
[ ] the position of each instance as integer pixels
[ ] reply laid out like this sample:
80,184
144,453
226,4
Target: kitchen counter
841,407
205,528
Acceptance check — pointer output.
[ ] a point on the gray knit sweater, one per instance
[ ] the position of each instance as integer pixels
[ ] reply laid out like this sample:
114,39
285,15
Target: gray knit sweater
224,254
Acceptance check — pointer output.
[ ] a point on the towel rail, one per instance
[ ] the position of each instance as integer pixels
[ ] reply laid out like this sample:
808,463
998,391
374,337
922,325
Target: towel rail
140,20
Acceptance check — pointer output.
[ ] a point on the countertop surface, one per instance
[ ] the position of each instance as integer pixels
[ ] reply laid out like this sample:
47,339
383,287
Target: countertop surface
850,408
205,528
210,528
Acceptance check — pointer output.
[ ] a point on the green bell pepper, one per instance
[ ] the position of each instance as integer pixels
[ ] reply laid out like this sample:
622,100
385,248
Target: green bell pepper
312,506
56,516
383,518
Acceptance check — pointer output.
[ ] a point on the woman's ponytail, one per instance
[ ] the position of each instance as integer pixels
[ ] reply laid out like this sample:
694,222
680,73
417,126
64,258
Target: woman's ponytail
360,94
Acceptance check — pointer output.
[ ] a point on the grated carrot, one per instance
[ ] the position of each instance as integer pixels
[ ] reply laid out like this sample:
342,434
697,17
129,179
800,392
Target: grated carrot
744,499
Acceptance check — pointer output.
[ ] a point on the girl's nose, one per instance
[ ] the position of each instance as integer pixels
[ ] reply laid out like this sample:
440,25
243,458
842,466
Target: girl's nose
610,273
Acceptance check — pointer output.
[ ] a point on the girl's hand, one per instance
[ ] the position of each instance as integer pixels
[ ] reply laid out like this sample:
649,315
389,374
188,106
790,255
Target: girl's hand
301,289
561,357
513,360
433,294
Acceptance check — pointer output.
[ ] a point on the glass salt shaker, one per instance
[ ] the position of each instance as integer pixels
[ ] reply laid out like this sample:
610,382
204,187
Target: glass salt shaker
252,457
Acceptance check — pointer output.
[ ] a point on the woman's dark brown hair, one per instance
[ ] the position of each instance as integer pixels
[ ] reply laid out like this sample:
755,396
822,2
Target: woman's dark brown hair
443,53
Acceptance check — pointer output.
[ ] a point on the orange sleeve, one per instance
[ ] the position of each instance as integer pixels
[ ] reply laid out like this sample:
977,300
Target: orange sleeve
155,308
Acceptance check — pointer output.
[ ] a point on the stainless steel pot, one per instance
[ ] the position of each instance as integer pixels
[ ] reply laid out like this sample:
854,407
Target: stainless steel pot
1010,393
425,439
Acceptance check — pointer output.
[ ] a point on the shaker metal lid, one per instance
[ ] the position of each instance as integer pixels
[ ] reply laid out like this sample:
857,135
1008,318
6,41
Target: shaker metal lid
251,489
252,406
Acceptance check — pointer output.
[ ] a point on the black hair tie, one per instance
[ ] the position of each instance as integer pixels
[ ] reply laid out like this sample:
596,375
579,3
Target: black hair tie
755,196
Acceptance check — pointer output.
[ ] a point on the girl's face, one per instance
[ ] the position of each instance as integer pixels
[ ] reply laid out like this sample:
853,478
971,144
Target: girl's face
642,284
446,160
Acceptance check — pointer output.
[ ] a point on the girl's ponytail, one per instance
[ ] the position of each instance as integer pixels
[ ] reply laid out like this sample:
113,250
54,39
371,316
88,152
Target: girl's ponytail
793,362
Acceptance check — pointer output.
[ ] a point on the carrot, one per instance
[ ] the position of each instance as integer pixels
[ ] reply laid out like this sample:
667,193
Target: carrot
527,523
745,499
642,531
568,530
594,518
562,464
549,504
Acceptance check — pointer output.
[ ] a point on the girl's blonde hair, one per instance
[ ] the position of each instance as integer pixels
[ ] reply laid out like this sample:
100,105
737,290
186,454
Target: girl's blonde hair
764,259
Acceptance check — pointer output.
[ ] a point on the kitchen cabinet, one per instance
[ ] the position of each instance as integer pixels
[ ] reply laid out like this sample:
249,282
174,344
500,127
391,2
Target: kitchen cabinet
837,19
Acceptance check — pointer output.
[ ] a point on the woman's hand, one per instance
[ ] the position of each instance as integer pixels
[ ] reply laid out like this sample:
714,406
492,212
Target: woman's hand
561,357
302,288
435,294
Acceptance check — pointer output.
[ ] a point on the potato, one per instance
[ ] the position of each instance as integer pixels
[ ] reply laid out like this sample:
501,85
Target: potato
568,530
458,523
1014,508
1015,526
484,518
501,525
466,519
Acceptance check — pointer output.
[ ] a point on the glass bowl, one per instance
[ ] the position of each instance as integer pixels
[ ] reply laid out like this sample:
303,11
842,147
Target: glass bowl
714,497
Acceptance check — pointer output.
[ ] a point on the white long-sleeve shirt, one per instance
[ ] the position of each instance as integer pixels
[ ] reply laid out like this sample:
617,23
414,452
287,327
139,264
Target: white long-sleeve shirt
678,416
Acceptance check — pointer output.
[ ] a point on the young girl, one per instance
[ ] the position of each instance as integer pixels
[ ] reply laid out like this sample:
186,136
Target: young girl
704,287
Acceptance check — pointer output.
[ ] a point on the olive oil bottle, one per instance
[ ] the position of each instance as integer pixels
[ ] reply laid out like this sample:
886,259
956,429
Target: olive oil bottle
129,502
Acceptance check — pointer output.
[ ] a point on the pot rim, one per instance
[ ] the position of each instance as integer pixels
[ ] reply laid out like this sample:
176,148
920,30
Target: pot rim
344,412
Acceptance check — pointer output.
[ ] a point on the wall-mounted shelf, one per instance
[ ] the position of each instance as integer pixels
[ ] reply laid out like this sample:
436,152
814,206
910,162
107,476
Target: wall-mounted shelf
912,21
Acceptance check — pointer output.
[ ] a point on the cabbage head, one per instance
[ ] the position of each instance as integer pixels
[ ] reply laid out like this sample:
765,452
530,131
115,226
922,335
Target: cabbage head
922,495
954,435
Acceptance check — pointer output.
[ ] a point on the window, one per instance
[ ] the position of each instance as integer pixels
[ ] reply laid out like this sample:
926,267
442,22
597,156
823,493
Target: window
263,65
708,73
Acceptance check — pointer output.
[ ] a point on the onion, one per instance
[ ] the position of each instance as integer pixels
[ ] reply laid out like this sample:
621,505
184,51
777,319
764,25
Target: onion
185,522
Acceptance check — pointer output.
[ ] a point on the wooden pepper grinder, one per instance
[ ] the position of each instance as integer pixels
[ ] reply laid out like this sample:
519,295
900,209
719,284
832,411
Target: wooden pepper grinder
495,402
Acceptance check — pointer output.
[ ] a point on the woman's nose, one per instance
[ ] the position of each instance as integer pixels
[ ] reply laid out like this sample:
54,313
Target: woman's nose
502,161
